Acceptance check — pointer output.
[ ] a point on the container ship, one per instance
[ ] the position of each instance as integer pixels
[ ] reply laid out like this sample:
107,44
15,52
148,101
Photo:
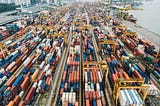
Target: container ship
76,55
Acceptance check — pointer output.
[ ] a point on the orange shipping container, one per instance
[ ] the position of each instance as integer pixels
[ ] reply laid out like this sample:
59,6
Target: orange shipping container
25,84
11,103
16,100
75,76
99,102
12,79
34,76
18,61
66,104
126,75
76,103
97,94
87,102
41,75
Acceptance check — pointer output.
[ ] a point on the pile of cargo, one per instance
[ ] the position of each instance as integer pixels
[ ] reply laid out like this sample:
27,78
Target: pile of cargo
28,70
14,27
94,92
18,56
130,97
70,84
123,64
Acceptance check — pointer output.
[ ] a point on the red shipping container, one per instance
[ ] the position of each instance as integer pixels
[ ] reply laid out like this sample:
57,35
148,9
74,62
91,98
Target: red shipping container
25,84
87,94
61,91
90,95
14,90
103,102
22,103
94,95
29,96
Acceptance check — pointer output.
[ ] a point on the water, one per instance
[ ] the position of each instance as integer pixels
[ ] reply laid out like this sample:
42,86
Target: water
149,17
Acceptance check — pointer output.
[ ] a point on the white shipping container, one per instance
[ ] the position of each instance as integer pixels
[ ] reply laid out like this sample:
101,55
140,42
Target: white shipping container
26,62
54,43
129,97
46,67
102,94
97,87
73,98
67,96
34,85
122,98
10,66
21,94
137,101
39,83
99,76
59,53
48,73
70,97
42,64
4,78
2,70
63,97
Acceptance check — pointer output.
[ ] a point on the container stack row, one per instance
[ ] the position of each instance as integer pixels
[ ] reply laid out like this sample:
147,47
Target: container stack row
94,88
70,82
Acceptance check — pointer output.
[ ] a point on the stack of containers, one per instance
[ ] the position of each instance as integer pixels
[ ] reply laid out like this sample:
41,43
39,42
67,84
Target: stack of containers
30,79
69,89
3,33
94,92
89,52
129,98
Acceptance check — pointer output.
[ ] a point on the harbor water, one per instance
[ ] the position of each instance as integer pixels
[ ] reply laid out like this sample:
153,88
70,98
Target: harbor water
150,15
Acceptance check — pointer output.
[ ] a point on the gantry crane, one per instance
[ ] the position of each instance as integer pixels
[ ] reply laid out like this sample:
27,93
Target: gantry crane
3,48
60,34
109,42
47,28
102,65
124,11
125,84
129,34
120,27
